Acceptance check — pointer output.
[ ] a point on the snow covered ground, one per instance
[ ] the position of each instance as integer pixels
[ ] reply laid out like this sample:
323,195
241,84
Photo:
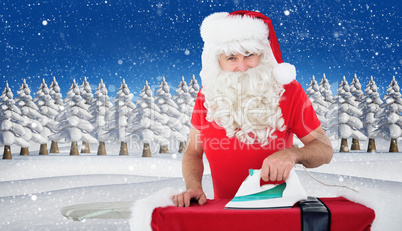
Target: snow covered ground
34,188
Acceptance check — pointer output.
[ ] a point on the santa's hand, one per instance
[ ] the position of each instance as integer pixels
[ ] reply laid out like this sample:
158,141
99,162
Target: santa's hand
183,199
277,166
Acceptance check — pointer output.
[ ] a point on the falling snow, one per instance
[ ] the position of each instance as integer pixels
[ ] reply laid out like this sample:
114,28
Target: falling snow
70,40
142,40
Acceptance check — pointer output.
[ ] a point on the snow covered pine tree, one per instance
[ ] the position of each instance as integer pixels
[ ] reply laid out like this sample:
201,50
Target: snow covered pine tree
390,124
49,111
32,118
343,122
100,110
73,123
11,130
117,129
58,100
355,89
371,106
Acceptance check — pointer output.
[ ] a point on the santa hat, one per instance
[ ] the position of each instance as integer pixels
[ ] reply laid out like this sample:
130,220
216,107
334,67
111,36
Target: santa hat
248,30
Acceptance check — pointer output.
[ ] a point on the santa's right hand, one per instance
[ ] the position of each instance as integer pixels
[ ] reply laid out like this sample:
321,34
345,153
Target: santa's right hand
184,199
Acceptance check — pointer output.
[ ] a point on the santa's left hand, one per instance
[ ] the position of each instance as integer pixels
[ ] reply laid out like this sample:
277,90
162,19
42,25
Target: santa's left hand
277,166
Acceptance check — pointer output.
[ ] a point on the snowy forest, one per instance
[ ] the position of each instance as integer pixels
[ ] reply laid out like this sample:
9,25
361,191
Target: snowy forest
358,113
162,119
83,116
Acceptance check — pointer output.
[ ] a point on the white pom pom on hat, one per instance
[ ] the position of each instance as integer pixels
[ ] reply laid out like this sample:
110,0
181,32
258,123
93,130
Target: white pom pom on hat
242,26
284,73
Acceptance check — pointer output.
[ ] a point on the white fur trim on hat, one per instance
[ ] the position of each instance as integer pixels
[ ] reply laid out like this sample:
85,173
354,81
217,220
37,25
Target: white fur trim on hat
221,28
284,73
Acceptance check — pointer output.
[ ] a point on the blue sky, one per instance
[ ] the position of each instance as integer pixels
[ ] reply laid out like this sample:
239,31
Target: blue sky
145,40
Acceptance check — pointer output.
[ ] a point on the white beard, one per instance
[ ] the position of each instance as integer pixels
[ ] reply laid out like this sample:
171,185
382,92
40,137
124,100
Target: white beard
245,104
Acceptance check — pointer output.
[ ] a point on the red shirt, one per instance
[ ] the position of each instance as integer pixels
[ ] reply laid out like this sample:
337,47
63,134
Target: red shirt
230,159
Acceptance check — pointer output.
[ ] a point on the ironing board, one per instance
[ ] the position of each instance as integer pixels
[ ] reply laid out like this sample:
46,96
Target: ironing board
344,216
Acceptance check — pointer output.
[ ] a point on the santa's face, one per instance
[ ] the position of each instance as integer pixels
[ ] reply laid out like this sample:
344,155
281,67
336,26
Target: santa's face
238,62
243,98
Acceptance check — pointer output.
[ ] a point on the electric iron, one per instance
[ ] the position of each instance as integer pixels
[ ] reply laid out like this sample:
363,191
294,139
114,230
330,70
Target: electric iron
251,195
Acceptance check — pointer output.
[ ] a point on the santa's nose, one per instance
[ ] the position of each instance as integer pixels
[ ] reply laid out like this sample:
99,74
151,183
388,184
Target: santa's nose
242,65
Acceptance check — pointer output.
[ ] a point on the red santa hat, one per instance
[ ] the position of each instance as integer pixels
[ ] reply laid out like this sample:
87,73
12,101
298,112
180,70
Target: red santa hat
249,30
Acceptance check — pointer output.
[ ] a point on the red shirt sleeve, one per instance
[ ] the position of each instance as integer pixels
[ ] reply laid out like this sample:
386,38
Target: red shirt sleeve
298,111
199,112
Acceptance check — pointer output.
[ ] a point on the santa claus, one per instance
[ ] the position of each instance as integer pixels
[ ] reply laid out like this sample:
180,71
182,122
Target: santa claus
248,110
